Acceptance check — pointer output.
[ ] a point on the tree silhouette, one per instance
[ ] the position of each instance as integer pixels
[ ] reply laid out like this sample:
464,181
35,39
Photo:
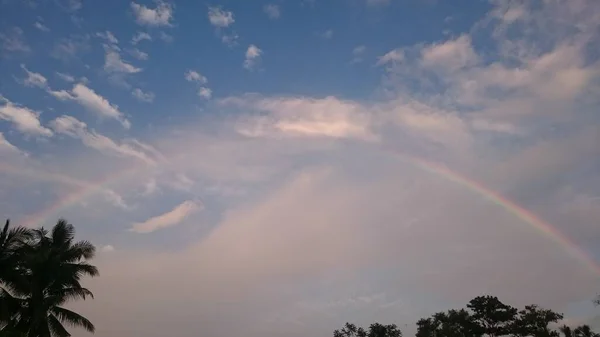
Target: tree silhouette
491,315
375,330
49,273
534,321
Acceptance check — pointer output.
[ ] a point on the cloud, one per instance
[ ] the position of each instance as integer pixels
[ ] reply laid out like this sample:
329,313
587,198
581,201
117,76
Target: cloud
378,2
159,16
67,49
194,76
396,55
303,117
70,5
25,120
165,37
253,57
141,96
65,77
34,79
114,64
139,37
358,53
108,36
72,127
89,99
6,146
205,92
13,41
138,54
273,11
41,27
168,219
328,34
219,17
451,55
107,249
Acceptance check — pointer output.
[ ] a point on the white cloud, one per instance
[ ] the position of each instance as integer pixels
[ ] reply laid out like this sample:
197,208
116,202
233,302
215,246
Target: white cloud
168,219
141,96
139,37
138,54
75,128
13,41
34,79
89,99
41,27
358,53
165,37
70,5
230,39
24,119
108,36
219,17
114,64
451,55
107,249
68,49
205,92
273,11
396,55
65,77
159,16
253,56
304,117
6,146
194,76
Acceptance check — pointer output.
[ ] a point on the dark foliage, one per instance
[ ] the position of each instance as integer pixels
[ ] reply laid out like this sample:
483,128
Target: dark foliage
40,271
484,316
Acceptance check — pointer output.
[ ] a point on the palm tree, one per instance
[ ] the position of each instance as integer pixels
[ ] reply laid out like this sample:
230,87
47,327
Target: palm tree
12,241
584,331
52,267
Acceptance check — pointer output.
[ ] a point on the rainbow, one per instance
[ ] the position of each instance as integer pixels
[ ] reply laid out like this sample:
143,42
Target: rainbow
85,189
519,212
82,190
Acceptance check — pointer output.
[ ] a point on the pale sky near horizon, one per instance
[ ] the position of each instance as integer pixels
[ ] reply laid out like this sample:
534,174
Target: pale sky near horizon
245,166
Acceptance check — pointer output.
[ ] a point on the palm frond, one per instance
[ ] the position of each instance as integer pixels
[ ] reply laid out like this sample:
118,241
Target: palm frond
56,327
80,250
61,296
73,318
62,233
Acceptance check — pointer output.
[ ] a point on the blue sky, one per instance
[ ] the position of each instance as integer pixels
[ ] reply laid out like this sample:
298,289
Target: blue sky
257,154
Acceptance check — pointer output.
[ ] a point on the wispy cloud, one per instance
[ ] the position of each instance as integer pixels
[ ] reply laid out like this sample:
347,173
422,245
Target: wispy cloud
13,41
273,11
141,96
41,26
89,99
168,219
24,120
139,37
75,128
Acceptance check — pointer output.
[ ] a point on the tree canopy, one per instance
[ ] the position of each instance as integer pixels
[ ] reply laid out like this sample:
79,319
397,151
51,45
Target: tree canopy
484,316
40,271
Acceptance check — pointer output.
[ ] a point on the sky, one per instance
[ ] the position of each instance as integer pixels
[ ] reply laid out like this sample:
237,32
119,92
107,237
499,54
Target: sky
278,168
